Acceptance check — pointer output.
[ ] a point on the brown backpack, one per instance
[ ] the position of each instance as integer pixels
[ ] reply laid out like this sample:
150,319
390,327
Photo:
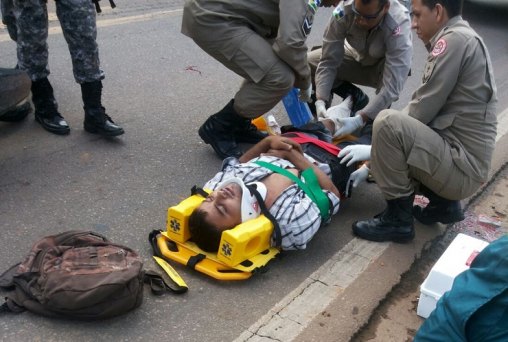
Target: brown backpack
78,275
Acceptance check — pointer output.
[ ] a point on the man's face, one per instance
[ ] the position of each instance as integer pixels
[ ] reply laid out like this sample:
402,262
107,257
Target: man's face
368,16
425,21
224,207
328,3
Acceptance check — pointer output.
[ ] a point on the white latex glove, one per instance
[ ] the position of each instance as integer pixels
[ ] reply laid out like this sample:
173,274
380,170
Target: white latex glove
320,109
356,178
304,94
354,153
342,110
346,126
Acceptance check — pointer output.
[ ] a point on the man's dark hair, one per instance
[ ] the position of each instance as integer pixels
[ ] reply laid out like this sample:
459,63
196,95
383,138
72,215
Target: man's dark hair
453,7
205,235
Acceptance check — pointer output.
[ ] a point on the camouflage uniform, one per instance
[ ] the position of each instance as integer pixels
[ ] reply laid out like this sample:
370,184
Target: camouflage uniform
27,22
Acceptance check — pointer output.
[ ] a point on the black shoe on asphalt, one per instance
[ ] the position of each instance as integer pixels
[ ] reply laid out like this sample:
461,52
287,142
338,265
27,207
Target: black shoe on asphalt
438,209
53,123
17,114
222,141
221,129
394,224
98,122
360,99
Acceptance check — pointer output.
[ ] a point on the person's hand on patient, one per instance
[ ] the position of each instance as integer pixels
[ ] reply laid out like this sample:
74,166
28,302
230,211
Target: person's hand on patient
282,143
348,125
320,109
305,94
354,153
271,143
356,178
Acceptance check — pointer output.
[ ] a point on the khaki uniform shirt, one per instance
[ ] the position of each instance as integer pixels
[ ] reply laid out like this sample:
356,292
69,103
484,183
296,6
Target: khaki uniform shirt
390,40
285,23
458,97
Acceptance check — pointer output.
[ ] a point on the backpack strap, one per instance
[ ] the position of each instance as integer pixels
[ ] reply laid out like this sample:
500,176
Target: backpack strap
311,186
155,280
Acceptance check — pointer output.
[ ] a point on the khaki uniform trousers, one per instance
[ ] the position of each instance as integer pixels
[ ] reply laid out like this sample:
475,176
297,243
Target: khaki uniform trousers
350,70
267,78
405,150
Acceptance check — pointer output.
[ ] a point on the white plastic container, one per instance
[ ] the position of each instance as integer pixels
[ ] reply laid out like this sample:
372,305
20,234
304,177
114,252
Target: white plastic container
455,259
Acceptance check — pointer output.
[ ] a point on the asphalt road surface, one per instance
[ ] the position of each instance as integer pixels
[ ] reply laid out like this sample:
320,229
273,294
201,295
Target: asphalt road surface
160,87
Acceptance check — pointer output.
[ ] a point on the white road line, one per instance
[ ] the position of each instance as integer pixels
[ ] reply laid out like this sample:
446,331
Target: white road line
108,22
291,315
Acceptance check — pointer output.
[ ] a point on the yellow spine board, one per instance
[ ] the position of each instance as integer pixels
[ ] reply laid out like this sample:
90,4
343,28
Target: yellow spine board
177,224
245,241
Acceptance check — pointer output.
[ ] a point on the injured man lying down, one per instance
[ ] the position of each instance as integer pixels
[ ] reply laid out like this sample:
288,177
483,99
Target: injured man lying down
296,180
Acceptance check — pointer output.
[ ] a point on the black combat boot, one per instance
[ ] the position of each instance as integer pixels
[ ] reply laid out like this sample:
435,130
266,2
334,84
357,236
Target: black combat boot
439,209
393,224
46,108
246,132
96,119
360,99
219,131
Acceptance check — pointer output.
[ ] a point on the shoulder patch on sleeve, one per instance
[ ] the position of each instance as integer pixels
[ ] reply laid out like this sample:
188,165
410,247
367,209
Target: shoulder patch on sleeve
338,12
439,47
307,25
314,4
396,31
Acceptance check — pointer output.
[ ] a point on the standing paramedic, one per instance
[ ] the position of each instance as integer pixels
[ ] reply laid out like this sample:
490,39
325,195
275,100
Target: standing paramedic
262,41
366,42
27,23
444,139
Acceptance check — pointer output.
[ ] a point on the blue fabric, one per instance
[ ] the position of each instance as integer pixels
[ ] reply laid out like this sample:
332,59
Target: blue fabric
475,309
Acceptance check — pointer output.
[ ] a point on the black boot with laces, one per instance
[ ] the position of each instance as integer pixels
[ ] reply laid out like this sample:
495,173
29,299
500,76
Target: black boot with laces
96,119
46,109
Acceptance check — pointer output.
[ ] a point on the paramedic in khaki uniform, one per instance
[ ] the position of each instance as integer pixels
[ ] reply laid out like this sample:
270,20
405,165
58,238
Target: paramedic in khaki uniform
445,137
367,42
263,41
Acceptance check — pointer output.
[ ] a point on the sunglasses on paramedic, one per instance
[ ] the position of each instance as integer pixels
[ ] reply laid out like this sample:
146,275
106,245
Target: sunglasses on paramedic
366,17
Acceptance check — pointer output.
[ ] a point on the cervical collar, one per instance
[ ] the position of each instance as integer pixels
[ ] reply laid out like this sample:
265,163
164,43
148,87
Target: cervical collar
249,208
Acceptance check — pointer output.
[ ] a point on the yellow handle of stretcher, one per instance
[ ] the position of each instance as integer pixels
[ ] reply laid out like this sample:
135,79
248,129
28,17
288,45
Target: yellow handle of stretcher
206,266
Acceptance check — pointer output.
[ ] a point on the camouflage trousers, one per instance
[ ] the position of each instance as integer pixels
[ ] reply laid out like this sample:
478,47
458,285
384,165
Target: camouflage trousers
27,23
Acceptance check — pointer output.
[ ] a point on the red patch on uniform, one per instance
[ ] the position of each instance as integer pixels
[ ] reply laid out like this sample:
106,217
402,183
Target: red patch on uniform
396,31
439,48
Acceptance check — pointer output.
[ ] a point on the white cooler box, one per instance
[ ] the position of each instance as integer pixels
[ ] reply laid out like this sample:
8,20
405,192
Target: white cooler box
455,259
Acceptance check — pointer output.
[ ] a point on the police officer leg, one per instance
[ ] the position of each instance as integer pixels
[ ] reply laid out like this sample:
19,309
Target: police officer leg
46,108
391,143
77,19
96,119
32,33
349,72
